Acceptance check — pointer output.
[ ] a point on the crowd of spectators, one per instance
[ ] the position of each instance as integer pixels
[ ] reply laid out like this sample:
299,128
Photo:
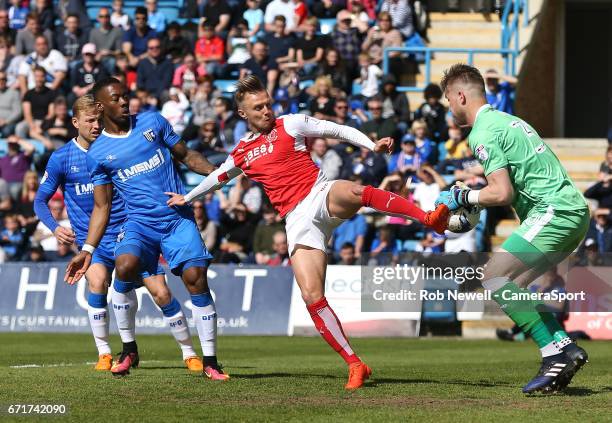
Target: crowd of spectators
49,56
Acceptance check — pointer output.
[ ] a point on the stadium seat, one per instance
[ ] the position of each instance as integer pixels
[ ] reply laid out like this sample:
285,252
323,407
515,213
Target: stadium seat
39,148
356,88
442,151
306,83
192,179
225,85
3,148
409,245
171,13
92,12
439,310
327,25
449,179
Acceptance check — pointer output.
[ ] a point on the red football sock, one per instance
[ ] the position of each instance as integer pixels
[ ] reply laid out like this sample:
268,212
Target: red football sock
330,328
390,203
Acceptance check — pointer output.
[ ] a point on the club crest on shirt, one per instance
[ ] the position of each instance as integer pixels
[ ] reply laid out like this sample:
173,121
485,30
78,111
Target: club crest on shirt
74,169
482,153
111,157
149,135
272,136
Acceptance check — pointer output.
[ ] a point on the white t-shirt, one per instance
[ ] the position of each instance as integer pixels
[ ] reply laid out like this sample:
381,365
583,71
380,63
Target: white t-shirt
369,84
49,243
426,195
54,62
279,7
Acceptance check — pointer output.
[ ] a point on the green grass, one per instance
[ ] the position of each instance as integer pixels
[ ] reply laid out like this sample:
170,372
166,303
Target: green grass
300,379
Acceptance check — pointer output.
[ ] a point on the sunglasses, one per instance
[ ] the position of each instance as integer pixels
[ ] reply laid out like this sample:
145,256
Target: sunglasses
103,16
154,47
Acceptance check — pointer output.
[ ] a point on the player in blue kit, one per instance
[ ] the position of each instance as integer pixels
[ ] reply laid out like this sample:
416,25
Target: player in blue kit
135,155
67,169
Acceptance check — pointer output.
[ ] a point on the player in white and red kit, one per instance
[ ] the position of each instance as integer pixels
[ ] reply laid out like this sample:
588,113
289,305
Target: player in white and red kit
275,155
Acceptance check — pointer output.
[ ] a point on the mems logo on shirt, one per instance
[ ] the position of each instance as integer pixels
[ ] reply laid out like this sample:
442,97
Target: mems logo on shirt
84,189
143,167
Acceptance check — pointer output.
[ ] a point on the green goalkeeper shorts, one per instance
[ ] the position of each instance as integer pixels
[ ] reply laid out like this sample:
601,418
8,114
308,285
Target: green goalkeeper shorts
547,236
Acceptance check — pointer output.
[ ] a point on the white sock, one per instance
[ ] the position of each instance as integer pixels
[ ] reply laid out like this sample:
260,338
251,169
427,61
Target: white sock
205,318
98,320
125,306
550,349
180,331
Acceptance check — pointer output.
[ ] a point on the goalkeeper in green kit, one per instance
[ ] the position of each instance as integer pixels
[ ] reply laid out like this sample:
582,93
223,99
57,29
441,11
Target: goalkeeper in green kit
521,170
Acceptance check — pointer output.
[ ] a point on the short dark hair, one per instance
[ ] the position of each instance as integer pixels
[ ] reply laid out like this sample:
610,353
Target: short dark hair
141,10
248,85
280,18
101,84
32,16
432,90
38,68
347,245
227,103
463,73
72,15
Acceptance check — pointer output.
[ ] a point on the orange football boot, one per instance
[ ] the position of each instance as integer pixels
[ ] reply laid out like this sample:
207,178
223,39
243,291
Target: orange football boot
358,373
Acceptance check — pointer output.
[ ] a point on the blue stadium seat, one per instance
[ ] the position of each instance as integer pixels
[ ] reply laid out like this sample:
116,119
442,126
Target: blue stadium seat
39,148
327,25
409,245
441,151
171,13
306,83
225,85
92,12
356,88
449,178
3,148
193,179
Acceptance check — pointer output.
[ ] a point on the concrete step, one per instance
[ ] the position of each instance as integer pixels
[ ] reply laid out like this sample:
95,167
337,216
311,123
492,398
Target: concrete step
473,38
464,25
462,17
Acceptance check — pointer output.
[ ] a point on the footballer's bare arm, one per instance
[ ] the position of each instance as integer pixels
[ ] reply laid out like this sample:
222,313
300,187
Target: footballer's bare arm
192,159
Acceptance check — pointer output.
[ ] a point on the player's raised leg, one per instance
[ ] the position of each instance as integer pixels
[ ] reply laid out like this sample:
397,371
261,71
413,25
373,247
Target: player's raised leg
309,266
175,319
98,277
346,198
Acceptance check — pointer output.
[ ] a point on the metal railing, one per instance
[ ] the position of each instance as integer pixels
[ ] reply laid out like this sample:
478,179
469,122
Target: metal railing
509,46
509,55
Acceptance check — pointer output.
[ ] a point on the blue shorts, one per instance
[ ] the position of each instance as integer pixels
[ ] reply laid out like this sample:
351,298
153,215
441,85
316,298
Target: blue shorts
178,241
105,255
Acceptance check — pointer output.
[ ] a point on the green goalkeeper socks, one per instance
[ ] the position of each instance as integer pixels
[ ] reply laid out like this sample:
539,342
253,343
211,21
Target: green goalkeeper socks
524,313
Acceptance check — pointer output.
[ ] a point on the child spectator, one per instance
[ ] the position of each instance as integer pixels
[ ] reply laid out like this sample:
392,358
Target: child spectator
263,241
118,17
17,14
424,146
433,112
210,49
457,146
407,161
369,75
11,238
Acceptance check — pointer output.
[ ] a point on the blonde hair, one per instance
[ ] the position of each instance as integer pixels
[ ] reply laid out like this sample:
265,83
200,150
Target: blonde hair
248,85
24,185
419,123
83,104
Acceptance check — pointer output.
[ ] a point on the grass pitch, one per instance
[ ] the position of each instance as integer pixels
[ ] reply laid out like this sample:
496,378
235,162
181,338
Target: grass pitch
300,379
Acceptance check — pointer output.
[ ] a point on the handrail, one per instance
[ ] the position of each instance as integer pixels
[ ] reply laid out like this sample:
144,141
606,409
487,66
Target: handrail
508,54
510,29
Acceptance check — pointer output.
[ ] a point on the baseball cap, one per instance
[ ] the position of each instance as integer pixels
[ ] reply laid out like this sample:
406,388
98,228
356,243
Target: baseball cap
89,48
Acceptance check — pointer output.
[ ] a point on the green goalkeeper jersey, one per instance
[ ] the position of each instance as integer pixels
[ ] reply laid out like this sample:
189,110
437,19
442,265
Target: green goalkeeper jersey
503,141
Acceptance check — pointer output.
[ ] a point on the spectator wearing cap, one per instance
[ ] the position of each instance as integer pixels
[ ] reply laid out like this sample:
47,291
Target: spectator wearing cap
105,37
37,104
284,8
377,124
261,65
24,43
433,113
346,39
70,39
174,109
154,71
210,49
135,39
500,90
600,231
15,164
157,19
85,74
381,36
231,127
174,45
217,13
401,15
280,45
10,107
395,104
326,159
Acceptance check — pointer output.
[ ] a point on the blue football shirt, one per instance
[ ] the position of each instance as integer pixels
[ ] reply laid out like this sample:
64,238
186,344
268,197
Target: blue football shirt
67,169
139,164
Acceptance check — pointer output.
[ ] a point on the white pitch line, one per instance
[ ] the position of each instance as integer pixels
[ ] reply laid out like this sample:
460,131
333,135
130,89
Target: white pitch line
87,363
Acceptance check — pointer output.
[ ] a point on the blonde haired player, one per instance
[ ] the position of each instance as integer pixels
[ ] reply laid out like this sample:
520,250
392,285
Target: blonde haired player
274,153
67,170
